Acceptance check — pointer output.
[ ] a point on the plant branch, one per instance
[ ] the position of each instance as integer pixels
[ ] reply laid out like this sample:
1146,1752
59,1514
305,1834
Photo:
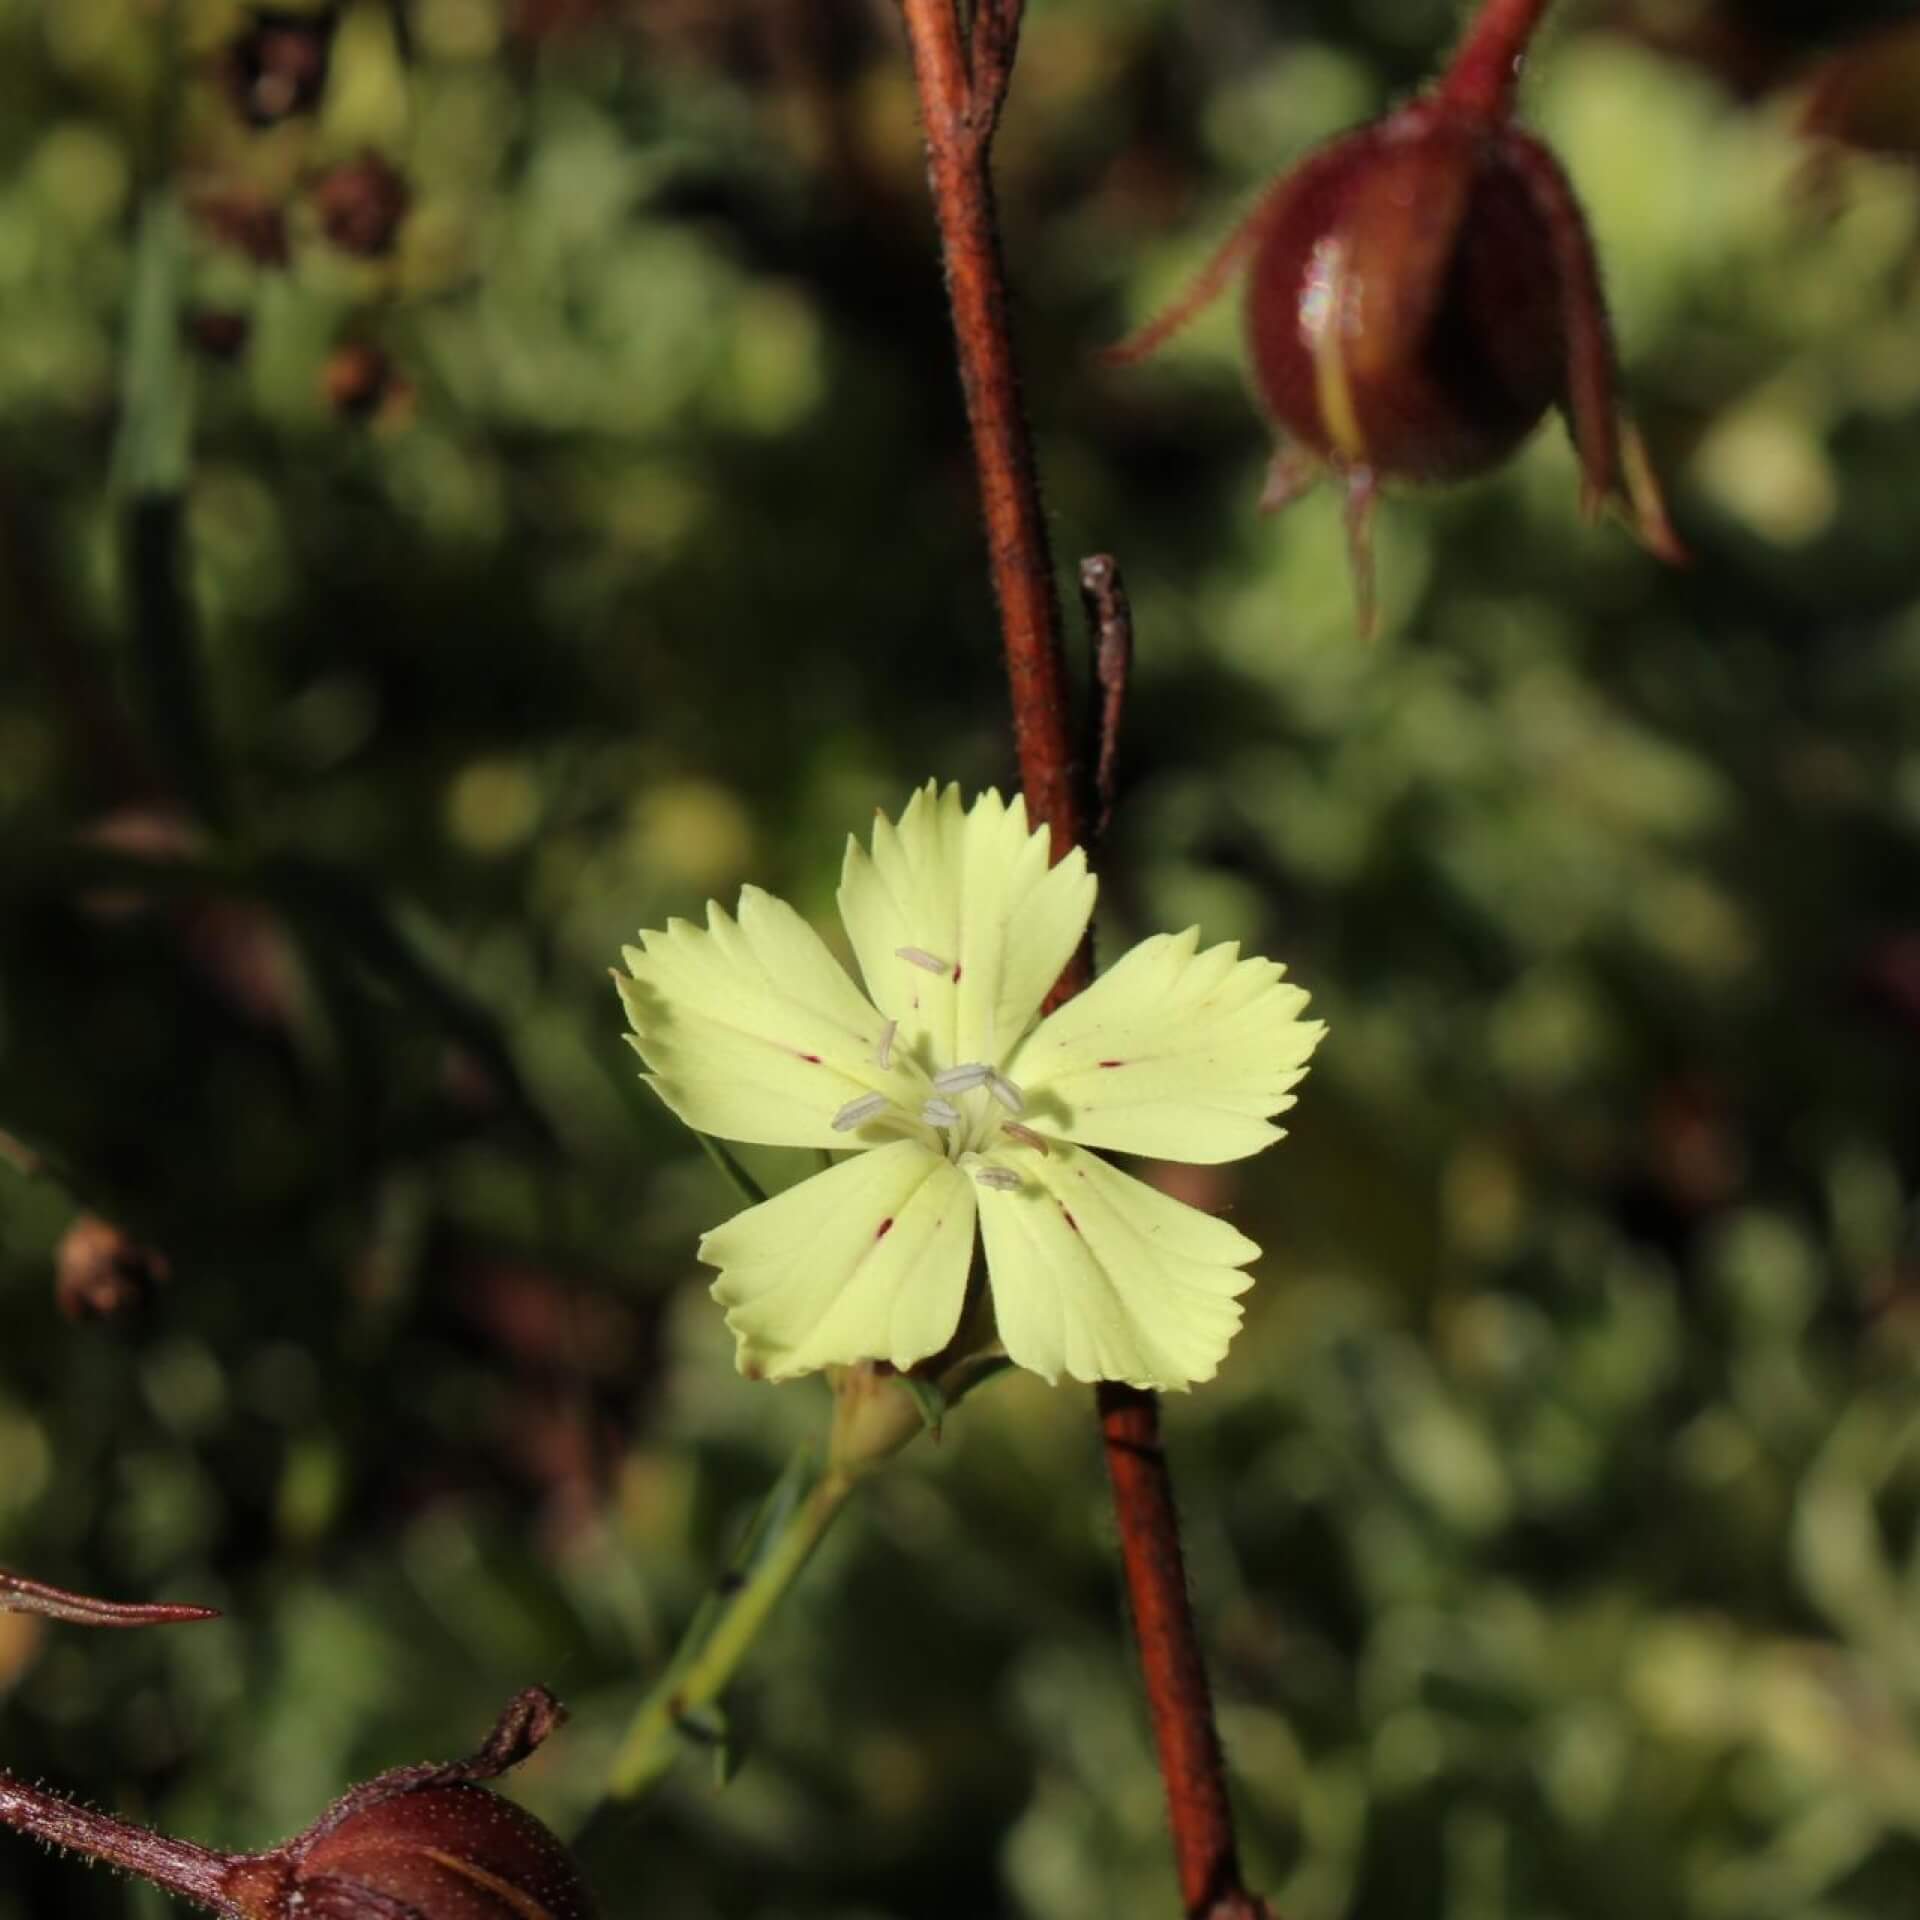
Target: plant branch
960,97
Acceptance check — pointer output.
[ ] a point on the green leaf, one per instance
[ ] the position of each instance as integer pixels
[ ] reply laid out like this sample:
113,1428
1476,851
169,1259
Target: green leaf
150,457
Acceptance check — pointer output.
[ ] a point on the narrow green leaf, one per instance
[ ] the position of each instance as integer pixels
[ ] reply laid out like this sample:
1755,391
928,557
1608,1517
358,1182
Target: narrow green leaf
737,1177
150,457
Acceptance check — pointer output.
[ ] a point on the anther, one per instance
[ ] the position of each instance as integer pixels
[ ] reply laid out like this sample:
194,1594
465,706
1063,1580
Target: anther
856,1113
962,1079
1006,1093
920,957
940,1113
1025,1135
883,1047
1000,1179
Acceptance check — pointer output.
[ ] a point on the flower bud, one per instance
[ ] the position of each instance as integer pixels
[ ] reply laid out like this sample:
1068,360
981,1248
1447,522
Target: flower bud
276,66
360,382
248,223
361,205
219,334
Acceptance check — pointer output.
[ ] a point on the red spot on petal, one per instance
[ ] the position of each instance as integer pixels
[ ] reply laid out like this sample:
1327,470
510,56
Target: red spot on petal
1067,1213
884,1228
956,976
1112,1063
812,1059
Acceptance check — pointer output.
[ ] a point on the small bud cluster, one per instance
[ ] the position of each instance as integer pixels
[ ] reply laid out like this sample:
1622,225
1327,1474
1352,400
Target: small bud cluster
271,77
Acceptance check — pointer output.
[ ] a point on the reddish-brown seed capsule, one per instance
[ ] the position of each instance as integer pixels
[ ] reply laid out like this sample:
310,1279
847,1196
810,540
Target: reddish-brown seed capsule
1404,304
1419,293
422,1843
431,1853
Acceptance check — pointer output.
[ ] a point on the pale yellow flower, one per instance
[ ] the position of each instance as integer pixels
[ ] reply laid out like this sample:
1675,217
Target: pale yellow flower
962,1105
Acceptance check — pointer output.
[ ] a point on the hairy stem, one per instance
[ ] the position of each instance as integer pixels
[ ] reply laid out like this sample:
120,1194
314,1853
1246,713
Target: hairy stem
1484,71
959,105
181,1868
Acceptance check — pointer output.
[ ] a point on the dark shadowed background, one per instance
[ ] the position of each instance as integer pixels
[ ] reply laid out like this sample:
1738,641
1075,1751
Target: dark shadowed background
608,540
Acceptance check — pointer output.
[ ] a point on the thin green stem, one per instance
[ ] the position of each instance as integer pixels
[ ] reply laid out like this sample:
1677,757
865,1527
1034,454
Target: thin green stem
685,1701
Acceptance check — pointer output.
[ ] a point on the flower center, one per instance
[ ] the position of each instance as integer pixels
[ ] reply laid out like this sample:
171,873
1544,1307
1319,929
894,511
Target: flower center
968,1108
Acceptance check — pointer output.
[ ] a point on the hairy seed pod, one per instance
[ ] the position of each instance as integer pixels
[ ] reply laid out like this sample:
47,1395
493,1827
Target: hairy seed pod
426,1843
421,1843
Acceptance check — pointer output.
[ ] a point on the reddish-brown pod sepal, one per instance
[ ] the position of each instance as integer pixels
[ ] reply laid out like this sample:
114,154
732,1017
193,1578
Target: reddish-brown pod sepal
426,1843
18,1594
1866,98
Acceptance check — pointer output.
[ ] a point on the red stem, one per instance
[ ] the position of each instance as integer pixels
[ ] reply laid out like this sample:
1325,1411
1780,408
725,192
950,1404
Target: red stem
960,103
1483,73
181,1868
18,1594
958,124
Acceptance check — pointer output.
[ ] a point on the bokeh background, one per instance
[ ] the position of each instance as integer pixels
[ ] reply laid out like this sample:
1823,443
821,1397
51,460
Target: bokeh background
568,518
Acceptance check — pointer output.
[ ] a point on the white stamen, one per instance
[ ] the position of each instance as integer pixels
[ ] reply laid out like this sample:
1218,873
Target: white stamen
883,1047
962,1079
856,1113
920,957
1025,1135
940,1113
1006,1093
1000,1179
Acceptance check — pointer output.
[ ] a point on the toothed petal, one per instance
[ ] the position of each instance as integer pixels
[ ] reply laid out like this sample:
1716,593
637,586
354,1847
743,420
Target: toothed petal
969,890
866,1261
1096,1275
1175,1052
752,1029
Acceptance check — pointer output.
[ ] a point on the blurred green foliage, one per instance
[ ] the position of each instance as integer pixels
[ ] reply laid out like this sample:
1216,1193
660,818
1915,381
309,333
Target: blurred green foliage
1553,1522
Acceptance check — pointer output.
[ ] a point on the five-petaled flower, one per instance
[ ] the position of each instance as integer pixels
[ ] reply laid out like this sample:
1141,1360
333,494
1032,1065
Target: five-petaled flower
966,1105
